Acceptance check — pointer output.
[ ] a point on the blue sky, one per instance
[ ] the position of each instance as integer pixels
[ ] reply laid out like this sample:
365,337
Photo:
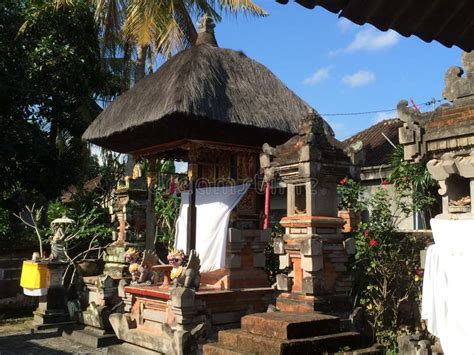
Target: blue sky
337,66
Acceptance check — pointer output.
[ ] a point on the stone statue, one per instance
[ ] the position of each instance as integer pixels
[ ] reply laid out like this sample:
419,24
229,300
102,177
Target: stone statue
142,274
185,276
58,251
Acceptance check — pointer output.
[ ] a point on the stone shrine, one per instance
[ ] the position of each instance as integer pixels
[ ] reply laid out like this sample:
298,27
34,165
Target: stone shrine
313,250
314,285
444,139
99,296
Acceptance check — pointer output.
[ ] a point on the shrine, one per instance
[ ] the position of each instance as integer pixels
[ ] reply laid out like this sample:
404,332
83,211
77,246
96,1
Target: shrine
212,108
313,285
444,140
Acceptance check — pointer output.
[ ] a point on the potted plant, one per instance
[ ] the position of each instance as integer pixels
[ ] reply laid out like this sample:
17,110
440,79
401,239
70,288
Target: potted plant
350,203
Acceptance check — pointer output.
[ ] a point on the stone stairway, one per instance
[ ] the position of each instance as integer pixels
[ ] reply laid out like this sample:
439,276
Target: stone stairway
284,333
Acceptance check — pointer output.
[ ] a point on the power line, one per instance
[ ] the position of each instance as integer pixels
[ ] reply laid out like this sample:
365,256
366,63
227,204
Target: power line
360,113
428,103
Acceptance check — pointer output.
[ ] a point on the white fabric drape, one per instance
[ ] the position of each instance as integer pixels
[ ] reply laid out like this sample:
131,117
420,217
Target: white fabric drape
448,287
213,207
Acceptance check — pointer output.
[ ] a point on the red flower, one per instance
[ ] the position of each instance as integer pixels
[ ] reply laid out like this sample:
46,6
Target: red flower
373,242
343,181
418,272
385,182
366,233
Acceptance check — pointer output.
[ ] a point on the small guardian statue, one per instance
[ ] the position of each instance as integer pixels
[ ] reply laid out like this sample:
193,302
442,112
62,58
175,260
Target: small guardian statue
185,271
58,251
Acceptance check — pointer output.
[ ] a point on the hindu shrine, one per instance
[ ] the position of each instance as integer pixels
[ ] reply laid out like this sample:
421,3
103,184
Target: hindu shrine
212,108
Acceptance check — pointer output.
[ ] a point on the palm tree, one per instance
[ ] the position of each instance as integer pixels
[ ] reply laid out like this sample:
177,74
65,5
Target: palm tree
145,29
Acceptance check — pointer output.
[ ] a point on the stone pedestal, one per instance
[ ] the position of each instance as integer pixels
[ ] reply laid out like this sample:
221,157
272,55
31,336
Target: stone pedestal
52,307
314,255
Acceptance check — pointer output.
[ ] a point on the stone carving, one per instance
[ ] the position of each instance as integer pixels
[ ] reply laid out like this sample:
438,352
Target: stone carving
457,86
143,274
181,331
411,134
185,276
58,251
455,176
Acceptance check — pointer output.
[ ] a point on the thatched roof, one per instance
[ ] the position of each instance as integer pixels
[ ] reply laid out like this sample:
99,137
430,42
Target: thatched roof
446,21
204,93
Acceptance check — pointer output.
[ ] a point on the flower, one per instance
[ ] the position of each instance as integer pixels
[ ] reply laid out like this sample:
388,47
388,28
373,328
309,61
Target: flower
343,181
417,278
385,182
366,233
373,242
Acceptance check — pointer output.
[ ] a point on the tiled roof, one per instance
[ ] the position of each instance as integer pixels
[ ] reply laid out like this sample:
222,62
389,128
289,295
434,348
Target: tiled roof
446,21
376,147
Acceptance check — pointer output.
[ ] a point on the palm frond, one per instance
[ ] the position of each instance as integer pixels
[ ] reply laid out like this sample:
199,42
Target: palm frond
245,6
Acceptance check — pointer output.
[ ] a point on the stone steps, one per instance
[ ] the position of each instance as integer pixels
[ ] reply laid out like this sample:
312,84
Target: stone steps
242,341
217,349
285,333
290,325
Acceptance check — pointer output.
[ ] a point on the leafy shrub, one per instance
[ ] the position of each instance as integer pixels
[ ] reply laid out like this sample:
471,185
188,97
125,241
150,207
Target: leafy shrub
167,212
386,267
350,193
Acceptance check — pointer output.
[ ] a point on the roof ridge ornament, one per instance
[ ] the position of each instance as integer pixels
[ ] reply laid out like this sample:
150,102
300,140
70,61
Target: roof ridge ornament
206,27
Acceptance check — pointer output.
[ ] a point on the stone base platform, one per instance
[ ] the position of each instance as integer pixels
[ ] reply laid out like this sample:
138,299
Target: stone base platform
129,349
285,333
223,307
93,337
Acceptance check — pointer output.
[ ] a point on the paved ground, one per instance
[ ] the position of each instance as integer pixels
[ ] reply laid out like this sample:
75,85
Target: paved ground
17,338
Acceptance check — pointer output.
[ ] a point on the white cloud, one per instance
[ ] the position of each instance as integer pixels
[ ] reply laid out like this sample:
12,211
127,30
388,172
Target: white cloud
345,25
318,76
360,78
370,39
381,116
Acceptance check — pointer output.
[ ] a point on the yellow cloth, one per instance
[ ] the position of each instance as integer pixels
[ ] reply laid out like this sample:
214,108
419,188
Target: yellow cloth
34,275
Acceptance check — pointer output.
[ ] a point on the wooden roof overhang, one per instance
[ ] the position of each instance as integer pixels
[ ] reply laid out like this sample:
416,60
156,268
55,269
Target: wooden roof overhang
178,128
183,149
449,22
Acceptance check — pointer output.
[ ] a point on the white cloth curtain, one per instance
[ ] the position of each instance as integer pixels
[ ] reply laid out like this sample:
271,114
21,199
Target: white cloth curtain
447,285
213,207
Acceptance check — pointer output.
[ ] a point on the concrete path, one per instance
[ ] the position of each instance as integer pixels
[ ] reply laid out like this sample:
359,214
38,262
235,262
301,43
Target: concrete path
17,338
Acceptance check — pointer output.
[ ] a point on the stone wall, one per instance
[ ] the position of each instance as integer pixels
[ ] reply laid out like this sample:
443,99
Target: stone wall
11,294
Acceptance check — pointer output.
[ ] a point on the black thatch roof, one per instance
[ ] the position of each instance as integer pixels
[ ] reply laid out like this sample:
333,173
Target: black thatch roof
446,21
206,93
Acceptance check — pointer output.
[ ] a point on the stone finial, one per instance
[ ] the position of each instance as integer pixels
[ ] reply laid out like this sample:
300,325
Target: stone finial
459,87
206,24
206,27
